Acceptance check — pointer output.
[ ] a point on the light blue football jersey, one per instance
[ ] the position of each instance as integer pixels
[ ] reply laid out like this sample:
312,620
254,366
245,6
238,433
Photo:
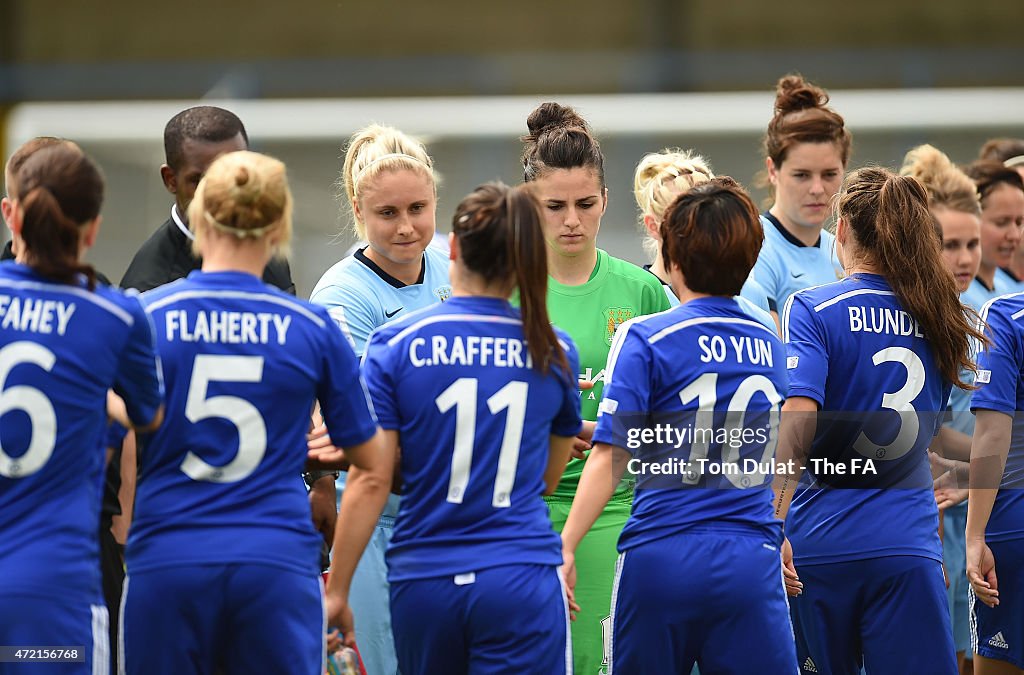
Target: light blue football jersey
976,296
474,420
1000,383
61,348
855,351
674,376
752,300
220,482
360,296
785,265
1007,283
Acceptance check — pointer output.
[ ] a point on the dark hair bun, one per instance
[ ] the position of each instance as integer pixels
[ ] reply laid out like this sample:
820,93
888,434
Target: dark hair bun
550,116
794,93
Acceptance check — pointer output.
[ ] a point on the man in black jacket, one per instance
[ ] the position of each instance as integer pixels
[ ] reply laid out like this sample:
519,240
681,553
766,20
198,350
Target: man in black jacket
192,140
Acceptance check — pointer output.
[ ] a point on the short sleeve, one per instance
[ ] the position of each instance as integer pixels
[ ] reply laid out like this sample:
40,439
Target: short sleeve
806,354
628,377
352,312
139,377
767,275
343,397
568,422
999,367
378,373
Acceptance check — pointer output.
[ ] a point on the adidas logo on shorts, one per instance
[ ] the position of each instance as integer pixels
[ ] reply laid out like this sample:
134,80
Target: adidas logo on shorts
999,641
809,666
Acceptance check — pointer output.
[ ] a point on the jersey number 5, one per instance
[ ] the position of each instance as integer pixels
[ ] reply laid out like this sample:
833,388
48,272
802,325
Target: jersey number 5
462,395
252,431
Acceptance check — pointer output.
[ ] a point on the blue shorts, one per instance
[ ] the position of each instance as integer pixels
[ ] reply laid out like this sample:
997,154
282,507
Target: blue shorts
233,618
998,632
708,596
888,613
500,620
954,555
41,622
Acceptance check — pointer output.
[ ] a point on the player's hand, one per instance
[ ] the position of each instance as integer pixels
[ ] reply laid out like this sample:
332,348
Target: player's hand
322,454
334,642
568,571
117,411
947,497
981,571
794,586
323,506
584,440
339,616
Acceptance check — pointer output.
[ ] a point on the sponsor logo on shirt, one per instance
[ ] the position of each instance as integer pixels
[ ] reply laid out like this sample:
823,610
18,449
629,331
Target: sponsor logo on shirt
614,317
443,292
983,377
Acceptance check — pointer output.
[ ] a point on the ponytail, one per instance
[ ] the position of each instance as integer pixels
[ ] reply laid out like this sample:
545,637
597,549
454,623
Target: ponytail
61,189
890,220
500,238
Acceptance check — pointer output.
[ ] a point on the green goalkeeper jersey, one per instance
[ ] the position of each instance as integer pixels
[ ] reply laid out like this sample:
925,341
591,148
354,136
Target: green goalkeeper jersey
616,292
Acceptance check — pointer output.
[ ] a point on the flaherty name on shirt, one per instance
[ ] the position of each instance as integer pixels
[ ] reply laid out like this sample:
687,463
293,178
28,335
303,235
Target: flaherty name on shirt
471,350
235,328
35,315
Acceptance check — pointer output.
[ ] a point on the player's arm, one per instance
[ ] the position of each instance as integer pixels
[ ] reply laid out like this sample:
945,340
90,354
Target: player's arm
366,494
117,411
601,475
558,456
796,433
989,450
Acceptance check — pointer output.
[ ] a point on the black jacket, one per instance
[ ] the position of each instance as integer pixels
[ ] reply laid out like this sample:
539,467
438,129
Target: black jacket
167,256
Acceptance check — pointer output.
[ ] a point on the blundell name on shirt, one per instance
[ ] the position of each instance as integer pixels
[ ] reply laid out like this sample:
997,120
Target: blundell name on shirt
882,320
226,327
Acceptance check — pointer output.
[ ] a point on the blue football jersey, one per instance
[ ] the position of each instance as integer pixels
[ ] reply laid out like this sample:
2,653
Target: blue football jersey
866,491
785,265
1000,384
220,481
61,348
360,296
474,421
694,395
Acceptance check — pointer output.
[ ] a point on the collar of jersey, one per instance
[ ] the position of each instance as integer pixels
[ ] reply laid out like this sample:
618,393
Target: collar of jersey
786,234
594,282
180,223
360,255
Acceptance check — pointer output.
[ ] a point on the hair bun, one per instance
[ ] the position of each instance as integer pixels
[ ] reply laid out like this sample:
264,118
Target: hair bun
550,116
794,93
241,176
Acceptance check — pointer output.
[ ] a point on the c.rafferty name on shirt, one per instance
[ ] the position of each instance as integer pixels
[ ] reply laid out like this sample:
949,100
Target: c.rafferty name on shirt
882,320
226,327
35,315
472,350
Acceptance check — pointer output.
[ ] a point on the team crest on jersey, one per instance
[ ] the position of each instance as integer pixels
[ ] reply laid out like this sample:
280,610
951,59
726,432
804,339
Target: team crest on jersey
443,292
613,318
